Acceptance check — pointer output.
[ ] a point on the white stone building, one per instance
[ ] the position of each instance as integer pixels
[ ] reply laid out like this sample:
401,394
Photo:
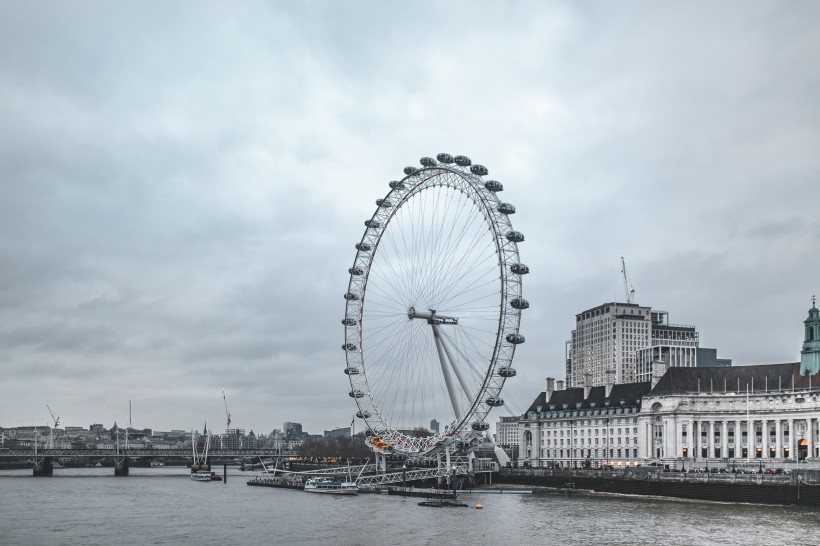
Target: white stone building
582,427
683,417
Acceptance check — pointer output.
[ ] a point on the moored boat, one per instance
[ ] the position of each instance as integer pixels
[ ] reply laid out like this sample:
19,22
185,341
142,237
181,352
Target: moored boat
201,475
331,487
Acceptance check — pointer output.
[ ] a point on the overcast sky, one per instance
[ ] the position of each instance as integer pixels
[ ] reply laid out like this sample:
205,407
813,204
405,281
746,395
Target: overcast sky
182,184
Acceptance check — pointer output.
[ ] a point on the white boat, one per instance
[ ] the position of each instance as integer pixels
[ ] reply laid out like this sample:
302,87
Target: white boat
331,487
201,475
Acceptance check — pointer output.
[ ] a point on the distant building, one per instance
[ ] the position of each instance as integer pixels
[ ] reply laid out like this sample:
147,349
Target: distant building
434,426
707,358
292,429
506,431
628,339
234,439
338,433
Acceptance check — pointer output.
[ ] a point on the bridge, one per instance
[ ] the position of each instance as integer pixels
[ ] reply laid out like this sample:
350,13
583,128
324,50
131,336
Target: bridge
43,459
367,474
142,452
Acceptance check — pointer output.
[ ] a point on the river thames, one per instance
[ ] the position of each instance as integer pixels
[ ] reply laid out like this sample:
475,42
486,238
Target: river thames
163,506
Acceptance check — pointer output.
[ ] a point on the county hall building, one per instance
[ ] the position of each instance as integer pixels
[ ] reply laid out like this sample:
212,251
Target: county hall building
683,416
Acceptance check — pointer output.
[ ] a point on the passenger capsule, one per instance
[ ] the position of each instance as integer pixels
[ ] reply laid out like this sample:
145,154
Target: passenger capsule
495,402
409,170
364,247
519,269
350,296
350,370
349,347
428,161
395,184
494,185
480,170
515,236
384,203
363,414
506,371
462,160
355,271
373,224
520,303
355,394
480,425
445,158
505,208
515,339
349,322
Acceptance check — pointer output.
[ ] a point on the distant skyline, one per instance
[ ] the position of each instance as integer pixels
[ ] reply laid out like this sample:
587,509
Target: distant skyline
183,183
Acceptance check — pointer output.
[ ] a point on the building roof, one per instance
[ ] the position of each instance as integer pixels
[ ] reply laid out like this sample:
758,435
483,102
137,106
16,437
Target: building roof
628,393
761,378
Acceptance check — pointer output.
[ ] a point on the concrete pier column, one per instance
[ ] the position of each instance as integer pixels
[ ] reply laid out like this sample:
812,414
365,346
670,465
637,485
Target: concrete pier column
45,467
121,467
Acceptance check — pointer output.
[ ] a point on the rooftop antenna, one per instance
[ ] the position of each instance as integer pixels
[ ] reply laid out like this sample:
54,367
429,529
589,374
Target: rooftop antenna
628,288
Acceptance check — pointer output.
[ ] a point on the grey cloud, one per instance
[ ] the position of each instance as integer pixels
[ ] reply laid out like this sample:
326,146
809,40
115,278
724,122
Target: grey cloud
182,184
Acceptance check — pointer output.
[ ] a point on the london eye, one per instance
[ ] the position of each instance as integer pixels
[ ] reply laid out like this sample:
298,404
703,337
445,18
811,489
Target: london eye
433,308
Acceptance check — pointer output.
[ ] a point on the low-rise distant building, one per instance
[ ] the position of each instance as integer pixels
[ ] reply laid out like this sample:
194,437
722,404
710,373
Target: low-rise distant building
343,432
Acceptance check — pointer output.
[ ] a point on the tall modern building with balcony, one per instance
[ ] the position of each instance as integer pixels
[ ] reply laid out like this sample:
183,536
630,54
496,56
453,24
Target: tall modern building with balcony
626,338
676,345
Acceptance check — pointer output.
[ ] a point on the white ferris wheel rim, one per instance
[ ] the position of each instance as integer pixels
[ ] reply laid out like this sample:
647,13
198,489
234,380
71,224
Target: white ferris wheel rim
482,388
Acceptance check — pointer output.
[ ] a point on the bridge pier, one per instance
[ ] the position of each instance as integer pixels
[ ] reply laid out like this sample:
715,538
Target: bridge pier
43,467
121,467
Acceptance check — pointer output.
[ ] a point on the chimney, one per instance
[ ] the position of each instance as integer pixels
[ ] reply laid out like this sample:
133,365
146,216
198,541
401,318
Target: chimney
587,384
658,371
610,382
559,385
550,387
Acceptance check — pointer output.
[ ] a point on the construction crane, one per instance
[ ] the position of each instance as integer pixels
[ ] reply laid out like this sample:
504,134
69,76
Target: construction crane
51,430
227,413
628,288
56,419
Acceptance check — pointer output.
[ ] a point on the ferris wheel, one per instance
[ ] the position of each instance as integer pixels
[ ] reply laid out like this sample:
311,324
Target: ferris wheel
433,308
